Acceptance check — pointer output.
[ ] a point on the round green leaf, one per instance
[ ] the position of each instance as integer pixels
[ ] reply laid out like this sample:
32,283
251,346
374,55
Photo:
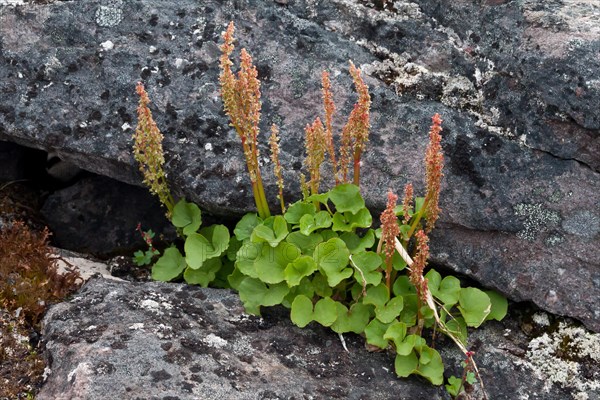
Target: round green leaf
395,332
297,210
187,216
348,222
197,250
431,365
254,293
169,266
332,259
245,226
346,197
272,262
474,306
204,275
306,244
353,320
325,311
367,262
377,295
405,364
357,244
374,332
298,269
302,311
499,305
390,311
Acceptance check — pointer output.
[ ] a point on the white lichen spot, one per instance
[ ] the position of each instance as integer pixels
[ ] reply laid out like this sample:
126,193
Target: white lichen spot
557,357
91,328
178,62
110,15
537,219
541,318
152,50
136,326
125,127
208,147
149,304
214,341
108,45
81,369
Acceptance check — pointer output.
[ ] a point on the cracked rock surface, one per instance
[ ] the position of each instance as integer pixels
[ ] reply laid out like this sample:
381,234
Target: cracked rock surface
516,83
117,340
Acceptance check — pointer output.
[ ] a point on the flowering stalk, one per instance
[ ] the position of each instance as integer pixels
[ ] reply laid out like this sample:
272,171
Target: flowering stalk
148,152
356,131
407,202
315,143
434,162
416,273
329,107
274,142
389,231
241,100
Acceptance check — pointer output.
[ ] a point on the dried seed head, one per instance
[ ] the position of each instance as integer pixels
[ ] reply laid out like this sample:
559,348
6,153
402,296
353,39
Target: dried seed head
434,163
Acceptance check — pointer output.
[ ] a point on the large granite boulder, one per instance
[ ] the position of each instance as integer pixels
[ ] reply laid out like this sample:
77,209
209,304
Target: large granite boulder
122,340
516,83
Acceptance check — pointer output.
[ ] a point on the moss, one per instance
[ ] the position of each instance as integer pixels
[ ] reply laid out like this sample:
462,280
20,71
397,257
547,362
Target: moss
29,278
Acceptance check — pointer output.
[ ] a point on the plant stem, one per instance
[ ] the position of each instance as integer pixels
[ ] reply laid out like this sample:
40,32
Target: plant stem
357,168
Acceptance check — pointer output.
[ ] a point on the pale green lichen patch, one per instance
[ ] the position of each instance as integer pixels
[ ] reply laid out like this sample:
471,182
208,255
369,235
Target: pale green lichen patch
110,15
567,358
537,220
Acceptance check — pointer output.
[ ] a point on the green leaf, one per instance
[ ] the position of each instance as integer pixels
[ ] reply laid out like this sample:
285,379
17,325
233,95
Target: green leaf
377,295
431,365
246,257
211,242
389,311
320,197
449,291
272,262
405,364
346,197
357,244
328,234
306,244
367,262
297,210
272,231
245,226
310,223
325,311
475,306
205,275
402,286
298,269
255,293
374,332
499,305
353,320
348,222
169,266
234,246
453,386
458,328
397,261
302,311
419,201
332,259
187,216
321,286
409,312
408,344
446,290
395,332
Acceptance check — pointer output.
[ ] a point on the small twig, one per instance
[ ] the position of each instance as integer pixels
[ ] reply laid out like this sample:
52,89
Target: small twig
7,184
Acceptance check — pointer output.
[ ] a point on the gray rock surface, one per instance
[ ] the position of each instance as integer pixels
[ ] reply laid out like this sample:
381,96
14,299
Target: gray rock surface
516,83
117,340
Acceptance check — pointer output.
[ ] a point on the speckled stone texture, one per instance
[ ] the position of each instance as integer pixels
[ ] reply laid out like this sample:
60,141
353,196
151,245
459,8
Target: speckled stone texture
122,340
516,83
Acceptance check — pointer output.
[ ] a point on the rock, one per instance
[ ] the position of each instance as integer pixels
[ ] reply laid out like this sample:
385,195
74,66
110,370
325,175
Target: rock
515,82
98,215
118,340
